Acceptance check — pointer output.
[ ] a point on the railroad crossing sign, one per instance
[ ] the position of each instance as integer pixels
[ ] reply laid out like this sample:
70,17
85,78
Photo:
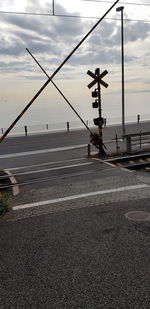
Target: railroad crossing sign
97,79
97,139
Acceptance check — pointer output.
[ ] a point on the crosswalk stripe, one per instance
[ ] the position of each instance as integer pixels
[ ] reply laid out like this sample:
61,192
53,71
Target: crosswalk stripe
83,195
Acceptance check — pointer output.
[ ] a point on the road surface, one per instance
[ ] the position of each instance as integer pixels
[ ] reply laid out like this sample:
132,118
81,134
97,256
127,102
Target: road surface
68,242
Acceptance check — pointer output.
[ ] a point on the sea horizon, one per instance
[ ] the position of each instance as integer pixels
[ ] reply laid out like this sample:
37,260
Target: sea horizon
63,126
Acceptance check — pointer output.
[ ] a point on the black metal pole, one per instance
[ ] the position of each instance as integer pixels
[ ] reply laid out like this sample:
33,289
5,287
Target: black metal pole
120,9
122,61
53,7
99,102
56,71
100,127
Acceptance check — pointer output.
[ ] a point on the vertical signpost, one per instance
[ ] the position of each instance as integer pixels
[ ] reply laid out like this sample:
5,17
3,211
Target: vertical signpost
98,141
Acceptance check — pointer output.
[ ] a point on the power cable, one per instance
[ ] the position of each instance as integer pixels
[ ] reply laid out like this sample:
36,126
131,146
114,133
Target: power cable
72,16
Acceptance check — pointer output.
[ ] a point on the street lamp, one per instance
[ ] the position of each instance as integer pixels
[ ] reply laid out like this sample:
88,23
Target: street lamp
120,9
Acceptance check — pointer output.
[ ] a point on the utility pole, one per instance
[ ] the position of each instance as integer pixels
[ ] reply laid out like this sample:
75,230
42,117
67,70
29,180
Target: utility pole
120,9
53,7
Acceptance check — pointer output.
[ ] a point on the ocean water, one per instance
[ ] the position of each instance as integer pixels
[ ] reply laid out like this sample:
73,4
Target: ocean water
62,126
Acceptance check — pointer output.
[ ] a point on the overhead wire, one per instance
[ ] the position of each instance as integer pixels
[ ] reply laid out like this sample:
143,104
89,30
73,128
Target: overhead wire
80,16
72,16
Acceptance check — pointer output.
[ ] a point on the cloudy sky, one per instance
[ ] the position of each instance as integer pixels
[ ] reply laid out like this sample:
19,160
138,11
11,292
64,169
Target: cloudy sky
50,30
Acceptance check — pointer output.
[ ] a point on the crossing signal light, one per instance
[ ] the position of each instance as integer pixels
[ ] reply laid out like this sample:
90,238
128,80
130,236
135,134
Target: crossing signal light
95,104
98,121
94,94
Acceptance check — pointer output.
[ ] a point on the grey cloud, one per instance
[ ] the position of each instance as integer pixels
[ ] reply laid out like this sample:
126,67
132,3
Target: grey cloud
16,66
16,45
33,6
37,44
34,77
41,34
109,33
10,47
51,36
27,65
101,56
135,31
52,27
28,23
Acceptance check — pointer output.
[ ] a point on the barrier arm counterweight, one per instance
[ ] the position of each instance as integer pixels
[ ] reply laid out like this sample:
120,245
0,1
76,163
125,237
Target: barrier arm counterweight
56,71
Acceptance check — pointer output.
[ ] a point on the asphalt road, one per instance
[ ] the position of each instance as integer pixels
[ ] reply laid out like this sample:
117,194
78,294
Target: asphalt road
62,139
91,257
67,242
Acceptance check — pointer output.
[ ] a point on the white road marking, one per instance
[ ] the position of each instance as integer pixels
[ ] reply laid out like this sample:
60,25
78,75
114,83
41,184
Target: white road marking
52,169
43,164
29,153
72,197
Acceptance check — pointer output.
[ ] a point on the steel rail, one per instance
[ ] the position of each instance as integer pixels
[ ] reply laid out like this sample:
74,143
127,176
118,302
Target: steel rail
55,72
126,158
30,181
76,174
113,160
136,165
125,162
54,84
46,170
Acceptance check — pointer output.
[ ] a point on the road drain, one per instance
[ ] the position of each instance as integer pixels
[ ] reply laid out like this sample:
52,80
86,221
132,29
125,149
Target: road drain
138,216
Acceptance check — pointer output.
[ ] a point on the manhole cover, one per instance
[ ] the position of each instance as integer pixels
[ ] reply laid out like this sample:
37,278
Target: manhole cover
138,216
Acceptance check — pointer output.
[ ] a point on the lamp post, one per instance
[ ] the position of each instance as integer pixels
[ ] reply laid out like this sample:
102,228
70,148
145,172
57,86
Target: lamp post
120,9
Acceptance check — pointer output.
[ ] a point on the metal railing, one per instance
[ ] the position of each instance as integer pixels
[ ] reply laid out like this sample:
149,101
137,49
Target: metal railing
137,141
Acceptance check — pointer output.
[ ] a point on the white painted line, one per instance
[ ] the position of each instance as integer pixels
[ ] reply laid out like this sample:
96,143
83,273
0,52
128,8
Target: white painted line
43,164
73,197
29,153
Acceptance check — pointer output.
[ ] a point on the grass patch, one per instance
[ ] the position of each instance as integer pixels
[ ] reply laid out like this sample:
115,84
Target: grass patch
3,202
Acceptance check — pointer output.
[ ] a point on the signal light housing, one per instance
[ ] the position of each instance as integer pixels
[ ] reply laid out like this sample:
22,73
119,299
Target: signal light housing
98,121
94,94
95,104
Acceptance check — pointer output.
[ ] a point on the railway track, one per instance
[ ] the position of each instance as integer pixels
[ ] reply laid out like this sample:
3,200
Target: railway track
49,174
52,173
138,161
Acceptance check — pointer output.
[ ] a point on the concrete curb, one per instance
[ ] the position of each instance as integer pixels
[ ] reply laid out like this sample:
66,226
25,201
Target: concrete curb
15,187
